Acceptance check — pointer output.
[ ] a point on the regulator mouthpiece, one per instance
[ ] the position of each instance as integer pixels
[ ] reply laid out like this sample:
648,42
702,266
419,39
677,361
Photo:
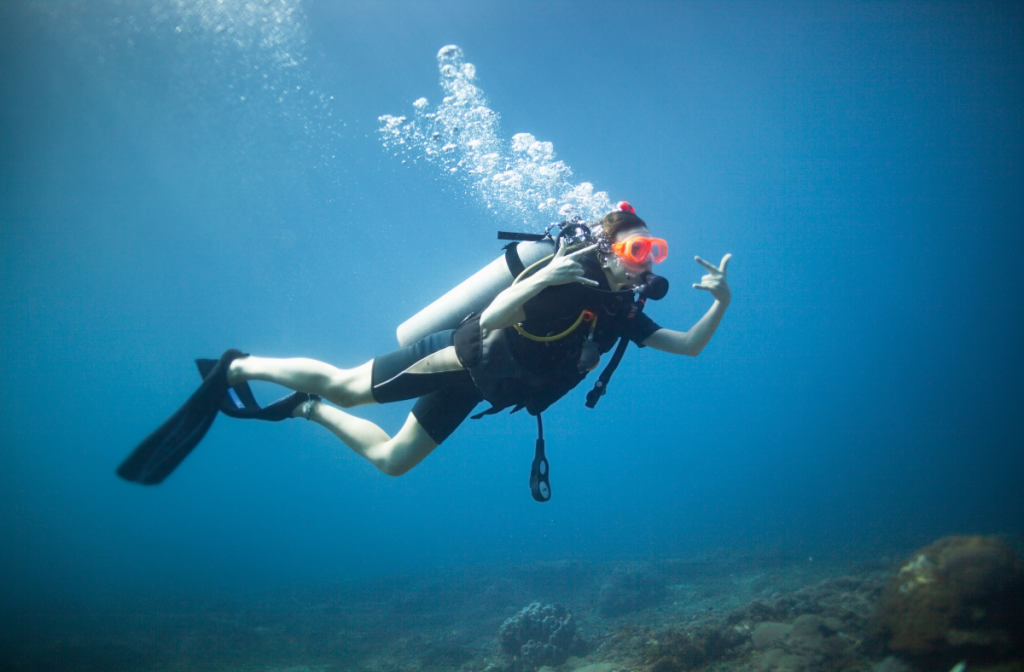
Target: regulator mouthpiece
652,286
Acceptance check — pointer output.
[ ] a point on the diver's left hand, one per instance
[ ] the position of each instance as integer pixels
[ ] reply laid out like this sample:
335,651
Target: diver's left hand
714,281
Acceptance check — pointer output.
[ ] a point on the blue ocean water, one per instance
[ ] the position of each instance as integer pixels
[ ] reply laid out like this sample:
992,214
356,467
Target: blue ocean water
184,177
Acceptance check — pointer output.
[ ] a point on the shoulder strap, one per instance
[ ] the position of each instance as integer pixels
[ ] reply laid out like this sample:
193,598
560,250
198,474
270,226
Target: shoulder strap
601,386
515,264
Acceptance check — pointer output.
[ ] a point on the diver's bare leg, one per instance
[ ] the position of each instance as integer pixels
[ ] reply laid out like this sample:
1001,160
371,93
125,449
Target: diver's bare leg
393,456
344,387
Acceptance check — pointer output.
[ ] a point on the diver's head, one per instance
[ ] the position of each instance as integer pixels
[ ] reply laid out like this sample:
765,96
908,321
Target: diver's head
622,219
629,252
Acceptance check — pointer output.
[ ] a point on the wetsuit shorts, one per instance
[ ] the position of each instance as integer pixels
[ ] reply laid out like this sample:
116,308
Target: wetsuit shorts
430,372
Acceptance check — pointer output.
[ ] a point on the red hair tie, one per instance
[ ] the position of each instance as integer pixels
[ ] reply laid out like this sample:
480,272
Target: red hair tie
624,206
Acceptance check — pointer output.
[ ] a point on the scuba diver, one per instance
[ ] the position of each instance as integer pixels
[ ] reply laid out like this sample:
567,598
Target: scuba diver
532,343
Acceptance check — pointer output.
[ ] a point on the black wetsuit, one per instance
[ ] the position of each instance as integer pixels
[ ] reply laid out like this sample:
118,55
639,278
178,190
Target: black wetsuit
507,369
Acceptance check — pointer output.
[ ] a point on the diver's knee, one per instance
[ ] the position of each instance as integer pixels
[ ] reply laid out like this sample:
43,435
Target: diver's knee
341,396
352,387
387,462
393,469
341,390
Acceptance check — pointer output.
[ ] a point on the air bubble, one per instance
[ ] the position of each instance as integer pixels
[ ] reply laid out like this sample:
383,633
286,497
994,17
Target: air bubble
521,179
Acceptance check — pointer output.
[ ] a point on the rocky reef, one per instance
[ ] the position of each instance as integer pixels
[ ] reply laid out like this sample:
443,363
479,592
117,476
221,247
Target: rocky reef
818,628
958,598
538,635
735,610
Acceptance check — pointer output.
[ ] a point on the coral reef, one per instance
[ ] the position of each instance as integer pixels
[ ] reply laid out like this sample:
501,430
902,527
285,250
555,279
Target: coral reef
538,635
960,597
674,651
814,629
735,611
809,643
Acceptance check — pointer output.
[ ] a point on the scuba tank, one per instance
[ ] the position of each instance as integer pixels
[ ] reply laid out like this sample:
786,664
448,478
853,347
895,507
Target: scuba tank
475,293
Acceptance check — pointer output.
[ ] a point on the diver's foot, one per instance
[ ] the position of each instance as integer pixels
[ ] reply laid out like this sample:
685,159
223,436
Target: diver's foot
236,371
306,408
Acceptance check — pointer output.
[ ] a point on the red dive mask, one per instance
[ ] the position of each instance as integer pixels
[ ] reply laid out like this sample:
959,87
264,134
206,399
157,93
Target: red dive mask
637,249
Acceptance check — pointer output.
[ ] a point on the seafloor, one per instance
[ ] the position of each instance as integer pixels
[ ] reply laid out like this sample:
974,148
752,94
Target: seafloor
726,610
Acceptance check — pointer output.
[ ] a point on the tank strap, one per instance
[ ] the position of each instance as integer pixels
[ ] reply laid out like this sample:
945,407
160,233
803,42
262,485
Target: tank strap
515,264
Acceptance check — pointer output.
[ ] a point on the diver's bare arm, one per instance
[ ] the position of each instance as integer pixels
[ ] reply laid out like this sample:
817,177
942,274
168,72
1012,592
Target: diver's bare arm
507,307
690,342
693,341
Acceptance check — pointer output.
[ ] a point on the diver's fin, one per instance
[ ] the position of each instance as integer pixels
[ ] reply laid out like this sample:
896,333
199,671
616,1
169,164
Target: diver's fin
237,398
239,402
162,451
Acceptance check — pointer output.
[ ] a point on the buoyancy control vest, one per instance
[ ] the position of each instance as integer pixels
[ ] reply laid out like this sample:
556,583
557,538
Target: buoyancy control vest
521,368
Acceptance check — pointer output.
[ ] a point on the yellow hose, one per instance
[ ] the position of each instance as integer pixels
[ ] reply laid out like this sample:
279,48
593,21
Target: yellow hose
556,337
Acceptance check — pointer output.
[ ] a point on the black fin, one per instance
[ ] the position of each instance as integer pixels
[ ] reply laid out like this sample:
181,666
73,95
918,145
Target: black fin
283,408
161,452
239,401
237,398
